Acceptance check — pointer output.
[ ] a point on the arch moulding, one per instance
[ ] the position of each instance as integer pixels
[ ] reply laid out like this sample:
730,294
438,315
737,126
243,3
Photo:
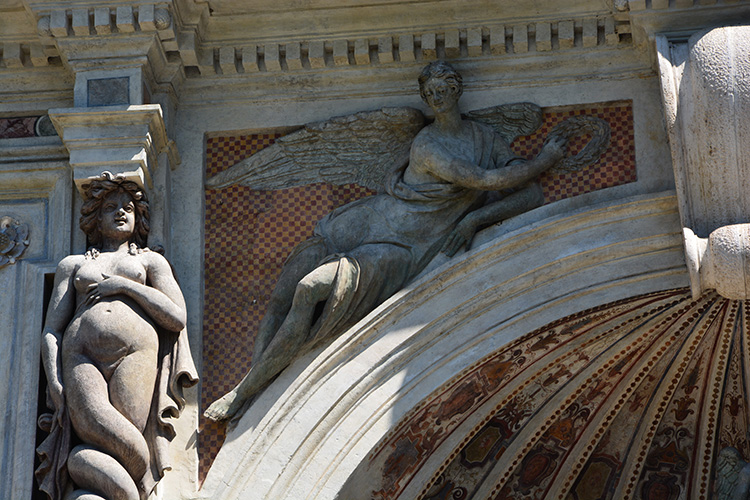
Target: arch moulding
316,424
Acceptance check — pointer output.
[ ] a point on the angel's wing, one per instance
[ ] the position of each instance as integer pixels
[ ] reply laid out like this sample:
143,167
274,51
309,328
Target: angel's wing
510,120
729,463
361,148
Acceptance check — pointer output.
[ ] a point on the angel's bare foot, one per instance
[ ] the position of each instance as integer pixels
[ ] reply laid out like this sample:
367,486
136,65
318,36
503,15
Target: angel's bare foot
225,407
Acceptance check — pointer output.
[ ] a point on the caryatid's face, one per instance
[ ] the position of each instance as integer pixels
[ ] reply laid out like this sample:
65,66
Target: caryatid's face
117,216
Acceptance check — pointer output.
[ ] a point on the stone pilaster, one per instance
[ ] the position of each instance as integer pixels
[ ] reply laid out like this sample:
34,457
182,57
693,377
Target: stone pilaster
124,89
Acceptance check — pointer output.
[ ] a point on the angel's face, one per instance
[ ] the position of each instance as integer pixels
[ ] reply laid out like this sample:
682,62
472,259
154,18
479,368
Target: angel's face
441,95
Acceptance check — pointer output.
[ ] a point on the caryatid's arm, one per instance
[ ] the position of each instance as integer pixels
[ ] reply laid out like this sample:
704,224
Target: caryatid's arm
59,314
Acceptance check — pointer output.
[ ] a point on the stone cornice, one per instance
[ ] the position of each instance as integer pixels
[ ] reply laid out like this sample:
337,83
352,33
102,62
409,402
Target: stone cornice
500,40
682,18
252,40
186,38
396,80
181,41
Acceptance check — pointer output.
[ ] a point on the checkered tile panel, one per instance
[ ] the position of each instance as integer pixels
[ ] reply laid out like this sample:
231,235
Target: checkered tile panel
615,167
248,236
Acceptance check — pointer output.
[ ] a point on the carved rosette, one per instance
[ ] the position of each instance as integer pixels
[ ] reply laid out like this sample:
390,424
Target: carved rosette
14,238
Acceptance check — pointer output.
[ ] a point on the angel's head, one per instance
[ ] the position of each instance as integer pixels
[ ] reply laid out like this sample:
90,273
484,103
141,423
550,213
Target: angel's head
114,208
440,84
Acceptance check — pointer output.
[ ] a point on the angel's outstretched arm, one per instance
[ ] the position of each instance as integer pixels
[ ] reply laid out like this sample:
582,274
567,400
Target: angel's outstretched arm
523,200
443,165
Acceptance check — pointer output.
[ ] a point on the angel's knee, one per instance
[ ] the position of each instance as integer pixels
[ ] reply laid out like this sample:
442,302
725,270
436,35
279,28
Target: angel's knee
316,286
534,195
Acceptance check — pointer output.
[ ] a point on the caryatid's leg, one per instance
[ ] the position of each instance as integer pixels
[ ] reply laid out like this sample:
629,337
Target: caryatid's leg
95,471
285,345
100,424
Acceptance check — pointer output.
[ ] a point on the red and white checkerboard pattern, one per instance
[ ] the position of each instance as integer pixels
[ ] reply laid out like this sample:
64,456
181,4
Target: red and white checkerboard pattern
615,167
248,235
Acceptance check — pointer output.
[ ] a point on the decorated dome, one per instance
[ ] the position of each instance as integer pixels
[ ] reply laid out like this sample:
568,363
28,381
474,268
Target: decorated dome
641,398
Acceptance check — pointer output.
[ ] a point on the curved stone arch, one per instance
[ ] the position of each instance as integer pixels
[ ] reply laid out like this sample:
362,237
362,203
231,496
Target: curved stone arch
646,393
308,432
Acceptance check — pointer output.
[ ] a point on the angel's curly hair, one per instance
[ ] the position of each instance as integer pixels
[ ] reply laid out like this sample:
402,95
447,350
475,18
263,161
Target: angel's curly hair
444,71
96,192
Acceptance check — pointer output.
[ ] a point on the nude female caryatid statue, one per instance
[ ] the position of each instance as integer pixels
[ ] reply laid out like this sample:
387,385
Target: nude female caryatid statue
116,356
365,251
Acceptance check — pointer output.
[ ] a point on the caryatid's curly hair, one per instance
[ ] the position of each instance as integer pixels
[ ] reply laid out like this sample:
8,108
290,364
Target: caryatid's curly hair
443,71
96,192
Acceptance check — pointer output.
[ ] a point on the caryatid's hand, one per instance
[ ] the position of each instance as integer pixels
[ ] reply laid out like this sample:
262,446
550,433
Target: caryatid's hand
57,396
110,285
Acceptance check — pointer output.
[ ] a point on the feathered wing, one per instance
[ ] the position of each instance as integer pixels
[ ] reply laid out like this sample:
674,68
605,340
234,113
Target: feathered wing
510,120
361,148
729,463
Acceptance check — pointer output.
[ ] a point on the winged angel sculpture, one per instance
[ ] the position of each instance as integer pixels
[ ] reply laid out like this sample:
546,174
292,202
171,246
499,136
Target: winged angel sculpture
432,183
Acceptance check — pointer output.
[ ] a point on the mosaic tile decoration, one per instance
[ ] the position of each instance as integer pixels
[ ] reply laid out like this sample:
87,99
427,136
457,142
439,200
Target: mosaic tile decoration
544,359
248,235
615,167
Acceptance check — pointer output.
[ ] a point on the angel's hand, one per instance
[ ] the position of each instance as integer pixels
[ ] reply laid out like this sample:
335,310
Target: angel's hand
554,148
460,236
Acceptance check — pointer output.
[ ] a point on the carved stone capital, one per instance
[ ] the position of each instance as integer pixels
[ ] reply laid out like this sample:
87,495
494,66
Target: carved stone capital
706,100
720,262
124,140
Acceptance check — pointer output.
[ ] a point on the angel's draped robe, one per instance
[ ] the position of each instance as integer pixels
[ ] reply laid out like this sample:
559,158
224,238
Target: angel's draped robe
382,242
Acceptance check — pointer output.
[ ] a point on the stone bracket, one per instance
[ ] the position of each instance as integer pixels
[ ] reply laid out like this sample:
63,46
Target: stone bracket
124,140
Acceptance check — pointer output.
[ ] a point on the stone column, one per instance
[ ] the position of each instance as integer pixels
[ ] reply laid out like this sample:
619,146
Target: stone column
706,95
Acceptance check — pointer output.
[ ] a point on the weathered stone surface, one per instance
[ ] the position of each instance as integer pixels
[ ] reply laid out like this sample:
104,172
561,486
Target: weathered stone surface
334,398
108,91
707,108
366,255
115,351
14,238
